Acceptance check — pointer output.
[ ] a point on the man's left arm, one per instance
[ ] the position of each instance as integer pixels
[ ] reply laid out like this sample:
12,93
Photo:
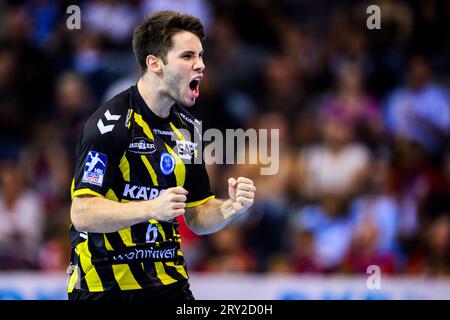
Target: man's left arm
215,214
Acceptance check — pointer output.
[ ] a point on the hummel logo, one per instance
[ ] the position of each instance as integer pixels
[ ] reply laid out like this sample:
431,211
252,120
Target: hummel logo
109,117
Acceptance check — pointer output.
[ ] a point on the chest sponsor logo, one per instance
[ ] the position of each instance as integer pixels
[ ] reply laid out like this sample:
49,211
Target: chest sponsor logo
186,149
163,132
142,145
140,192
95,168
167,163
143,254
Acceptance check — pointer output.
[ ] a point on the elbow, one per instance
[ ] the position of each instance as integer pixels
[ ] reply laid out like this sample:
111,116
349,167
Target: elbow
77,220
194,227
198,231
77,216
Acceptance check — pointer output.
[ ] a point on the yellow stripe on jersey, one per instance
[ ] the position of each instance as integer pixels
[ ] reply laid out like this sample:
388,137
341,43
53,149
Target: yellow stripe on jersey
180,269
108,245
91,276
159,266
144,125
124,167
162,275
150,170
73,280
199,202
160,228
124,277
110,195
176,235
125,234
122,272
180,168
84,191
177,132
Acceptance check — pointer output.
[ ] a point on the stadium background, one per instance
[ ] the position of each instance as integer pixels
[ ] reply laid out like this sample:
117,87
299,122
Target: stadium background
364,119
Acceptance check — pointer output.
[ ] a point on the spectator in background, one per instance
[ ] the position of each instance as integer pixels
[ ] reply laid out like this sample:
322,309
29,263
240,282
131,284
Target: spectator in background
380,220
227,88
21,220
337,165
419,111
329,174
364,250
198,8
322,235
74,102
113,18
350,101
280,80
12,107
225,252
266,226
433,258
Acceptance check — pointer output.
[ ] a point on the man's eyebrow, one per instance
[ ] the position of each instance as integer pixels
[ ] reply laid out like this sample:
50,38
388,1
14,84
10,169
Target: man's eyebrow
191,52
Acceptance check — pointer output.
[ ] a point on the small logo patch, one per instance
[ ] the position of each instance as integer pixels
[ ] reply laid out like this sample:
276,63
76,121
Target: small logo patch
167,163
186,149
95,168
142,145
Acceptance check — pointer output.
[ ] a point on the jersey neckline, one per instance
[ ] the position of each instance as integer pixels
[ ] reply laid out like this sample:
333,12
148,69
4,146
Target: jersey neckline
147,112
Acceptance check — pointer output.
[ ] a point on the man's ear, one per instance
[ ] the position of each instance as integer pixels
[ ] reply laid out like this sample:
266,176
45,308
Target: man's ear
154,64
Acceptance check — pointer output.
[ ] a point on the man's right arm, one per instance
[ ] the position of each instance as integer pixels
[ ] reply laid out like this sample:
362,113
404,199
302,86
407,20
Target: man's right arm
96,214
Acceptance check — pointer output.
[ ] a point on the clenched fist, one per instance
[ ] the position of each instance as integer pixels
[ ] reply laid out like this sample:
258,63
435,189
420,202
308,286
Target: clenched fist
242,193
170,204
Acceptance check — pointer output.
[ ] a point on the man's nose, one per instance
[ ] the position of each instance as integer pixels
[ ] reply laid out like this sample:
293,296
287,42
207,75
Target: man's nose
199,65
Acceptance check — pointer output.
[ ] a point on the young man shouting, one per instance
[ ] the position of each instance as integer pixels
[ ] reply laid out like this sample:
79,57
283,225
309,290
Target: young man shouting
135,174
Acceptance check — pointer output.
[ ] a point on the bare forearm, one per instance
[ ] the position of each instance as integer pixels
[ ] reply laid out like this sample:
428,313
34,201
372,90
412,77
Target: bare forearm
215,214
211,216
95,214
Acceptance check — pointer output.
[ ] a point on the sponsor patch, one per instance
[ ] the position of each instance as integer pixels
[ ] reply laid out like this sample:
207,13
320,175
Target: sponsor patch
163,132
95,168
128,118
152,254
186,118
167,163
185,149
140,192
142,145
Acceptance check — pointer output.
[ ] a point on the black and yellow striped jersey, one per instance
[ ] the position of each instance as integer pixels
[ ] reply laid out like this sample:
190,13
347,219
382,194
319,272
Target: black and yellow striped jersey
127,153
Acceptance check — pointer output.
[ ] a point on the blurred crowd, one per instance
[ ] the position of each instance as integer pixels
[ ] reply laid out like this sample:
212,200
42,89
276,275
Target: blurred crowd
364,120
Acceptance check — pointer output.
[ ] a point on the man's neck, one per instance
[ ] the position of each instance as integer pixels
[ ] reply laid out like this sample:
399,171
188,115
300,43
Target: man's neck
158,103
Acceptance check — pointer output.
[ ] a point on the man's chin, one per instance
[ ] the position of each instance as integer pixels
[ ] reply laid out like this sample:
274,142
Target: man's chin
187,103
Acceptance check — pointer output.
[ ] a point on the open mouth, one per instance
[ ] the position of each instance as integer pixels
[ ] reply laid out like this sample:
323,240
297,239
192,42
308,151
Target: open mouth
194,85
